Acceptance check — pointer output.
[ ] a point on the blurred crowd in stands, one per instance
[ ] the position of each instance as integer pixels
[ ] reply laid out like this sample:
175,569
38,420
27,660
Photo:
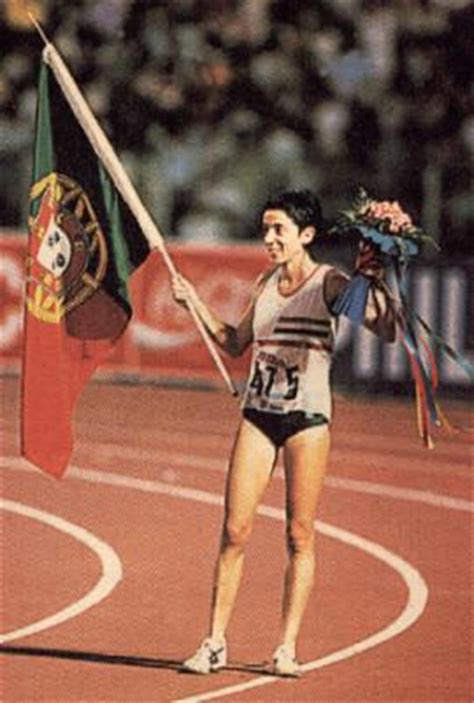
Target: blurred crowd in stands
215,104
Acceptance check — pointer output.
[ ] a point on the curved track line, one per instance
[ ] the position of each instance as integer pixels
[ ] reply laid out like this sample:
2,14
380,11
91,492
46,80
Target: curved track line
415,605
415,584
111,569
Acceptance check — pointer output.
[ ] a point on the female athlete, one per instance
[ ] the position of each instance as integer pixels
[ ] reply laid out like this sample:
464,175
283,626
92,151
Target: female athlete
286,405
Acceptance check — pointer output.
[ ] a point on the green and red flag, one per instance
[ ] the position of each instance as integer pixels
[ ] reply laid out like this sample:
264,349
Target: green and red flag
84,243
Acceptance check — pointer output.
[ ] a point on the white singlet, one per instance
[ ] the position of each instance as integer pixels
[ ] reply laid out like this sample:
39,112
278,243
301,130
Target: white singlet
292,349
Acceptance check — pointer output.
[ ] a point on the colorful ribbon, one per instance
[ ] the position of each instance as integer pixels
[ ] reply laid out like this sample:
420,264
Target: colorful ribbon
352,304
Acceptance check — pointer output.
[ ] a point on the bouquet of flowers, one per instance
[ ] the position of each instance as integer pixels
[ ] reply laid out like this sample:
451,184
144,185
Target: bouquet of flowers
384,224
389,239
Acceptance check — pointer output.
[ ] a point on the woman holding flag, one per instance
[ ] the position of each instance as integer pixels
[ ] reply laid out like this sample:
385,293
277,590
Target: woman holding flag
291,323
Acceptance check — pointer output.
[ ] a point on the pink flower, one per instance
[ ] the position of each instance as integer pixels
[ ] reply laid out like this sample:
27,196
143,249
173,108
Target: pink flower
390,212
394,226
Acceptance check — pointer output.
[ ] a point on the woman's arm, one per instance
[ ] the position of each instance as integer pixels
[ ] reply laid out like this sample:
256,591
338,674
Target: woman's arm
232,339
380,315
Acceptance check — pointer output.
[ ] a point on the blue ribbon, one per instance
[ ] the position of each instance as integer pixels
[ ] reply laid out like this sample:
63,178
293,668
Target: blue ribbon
352,301
391,244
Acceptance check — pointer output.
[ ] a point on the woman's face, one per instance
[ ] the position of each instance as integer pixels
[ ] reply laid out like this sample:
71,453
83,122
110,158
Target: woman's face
283,238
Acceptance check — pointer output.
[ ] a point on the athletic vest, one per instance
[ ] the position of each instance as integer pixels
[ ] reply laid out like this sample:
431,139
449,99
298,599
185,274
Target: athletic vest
292,349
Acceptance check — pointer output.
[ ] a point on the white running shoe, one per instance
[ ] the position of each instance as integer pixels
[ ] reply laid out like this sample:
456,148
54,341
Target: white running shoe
211,656
285,663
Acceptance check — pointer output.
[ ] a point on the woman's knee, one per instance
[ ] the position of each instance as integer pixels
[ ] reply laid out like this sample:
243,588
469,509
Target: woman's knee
236,533
300,536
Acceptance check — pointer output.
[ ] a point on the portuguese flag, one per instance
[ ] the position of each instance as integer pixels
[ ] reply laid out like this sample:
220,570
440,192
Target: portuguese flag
84,243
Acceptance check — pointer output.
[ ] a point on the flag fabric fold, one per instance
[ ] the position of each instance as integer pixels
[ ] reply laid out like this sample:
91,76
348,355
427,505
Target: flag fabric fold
84,244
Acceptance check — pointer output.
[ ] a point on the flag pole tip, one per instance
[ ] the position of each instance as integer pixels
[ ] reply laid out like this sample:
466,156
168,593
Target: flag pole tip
38,27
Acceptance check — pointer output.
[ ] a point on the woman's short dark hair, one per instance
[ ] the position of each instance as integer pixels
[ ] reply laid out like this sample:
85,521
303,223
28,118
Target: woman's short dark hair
302,206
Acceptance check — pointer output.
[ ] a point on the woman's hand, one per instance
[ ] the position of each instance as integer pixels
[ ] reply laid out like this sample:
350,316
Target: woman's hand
369,260
183,291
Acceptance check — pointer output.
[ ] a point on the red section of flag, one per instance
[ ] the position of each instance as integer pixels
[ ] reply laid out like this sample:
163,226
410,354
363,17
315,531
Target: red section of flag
56,367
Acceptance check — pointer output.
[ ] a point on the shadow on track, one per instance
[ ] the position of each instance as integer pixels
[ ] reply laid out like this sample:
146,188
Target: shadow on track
94,657
120,659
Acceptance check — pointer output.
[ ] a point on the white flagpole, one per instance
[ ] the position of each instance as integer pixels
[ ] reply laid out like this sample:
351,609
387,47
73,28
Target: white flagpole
104,150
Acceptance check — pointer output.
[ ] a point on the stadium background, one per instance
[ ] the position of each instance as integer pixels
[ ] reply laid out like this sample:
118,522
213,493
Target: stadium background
215,104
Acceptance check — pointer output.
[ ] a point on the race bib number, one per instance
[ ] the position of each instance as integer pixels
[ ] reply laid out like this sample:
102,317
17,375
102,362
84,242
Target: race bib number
276,384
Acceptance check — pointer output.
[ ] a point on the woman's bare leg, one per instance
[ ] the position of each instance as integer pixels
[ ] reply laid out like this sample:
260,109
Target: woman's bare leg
305,457
251,464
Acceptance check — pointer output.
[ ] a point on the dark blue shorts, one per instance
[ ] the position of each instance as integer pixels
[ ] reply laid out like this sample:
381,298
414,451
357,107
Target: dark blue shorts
280,427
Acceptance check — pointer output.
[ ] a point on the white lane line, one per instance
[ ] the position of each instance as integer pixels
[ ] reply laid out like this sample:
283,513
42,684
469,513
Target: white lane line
414,607
349,443
111,569
456,458
437,500
176,459
415,584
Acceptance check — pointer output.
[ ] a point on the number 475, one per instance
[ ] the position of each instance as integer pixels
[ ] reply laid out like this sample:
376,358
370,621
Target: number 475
263,380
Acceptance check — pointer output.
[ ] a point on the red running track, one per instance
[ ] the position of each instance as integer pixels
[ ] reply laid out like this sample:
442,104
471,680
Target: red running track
107,573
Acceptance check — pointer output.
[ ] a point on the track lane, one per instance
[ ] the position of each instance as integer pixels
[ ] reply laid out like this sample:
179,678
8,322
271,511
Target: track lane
142,621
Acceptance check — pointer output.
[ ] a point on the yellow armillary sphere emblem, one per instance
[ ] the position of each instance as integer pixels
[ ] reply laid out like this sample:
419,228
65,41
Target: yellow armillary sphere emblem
67,259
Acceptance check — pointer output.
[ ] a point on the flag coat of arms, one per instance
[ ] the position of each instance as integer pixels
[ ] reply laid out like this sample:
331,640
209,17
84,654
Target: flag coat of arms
84,243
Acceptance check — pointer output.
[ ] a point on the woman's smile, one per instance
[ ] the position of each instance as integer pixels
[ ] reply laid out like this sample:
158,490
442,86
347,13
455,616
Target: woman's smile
275,250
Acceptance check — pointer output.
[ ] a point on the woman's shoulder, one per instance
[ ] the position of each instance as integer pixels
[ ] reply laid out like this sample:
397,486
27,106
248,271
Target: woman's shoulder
334,281
263,279
332,272
327,274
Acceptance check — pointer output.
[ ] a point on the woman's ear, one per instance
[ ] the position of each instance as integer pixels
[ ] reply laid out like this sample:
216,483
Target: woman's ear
307,235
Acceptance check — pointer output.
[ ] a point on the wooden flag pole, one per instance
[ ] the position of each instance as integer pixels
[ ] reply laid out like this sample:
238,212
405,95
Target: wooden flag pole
104,150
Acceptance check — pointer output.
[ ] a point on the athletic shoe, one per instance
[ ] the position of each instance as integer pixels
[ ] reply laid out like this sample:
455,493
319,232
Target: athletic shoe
284,662
211,656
